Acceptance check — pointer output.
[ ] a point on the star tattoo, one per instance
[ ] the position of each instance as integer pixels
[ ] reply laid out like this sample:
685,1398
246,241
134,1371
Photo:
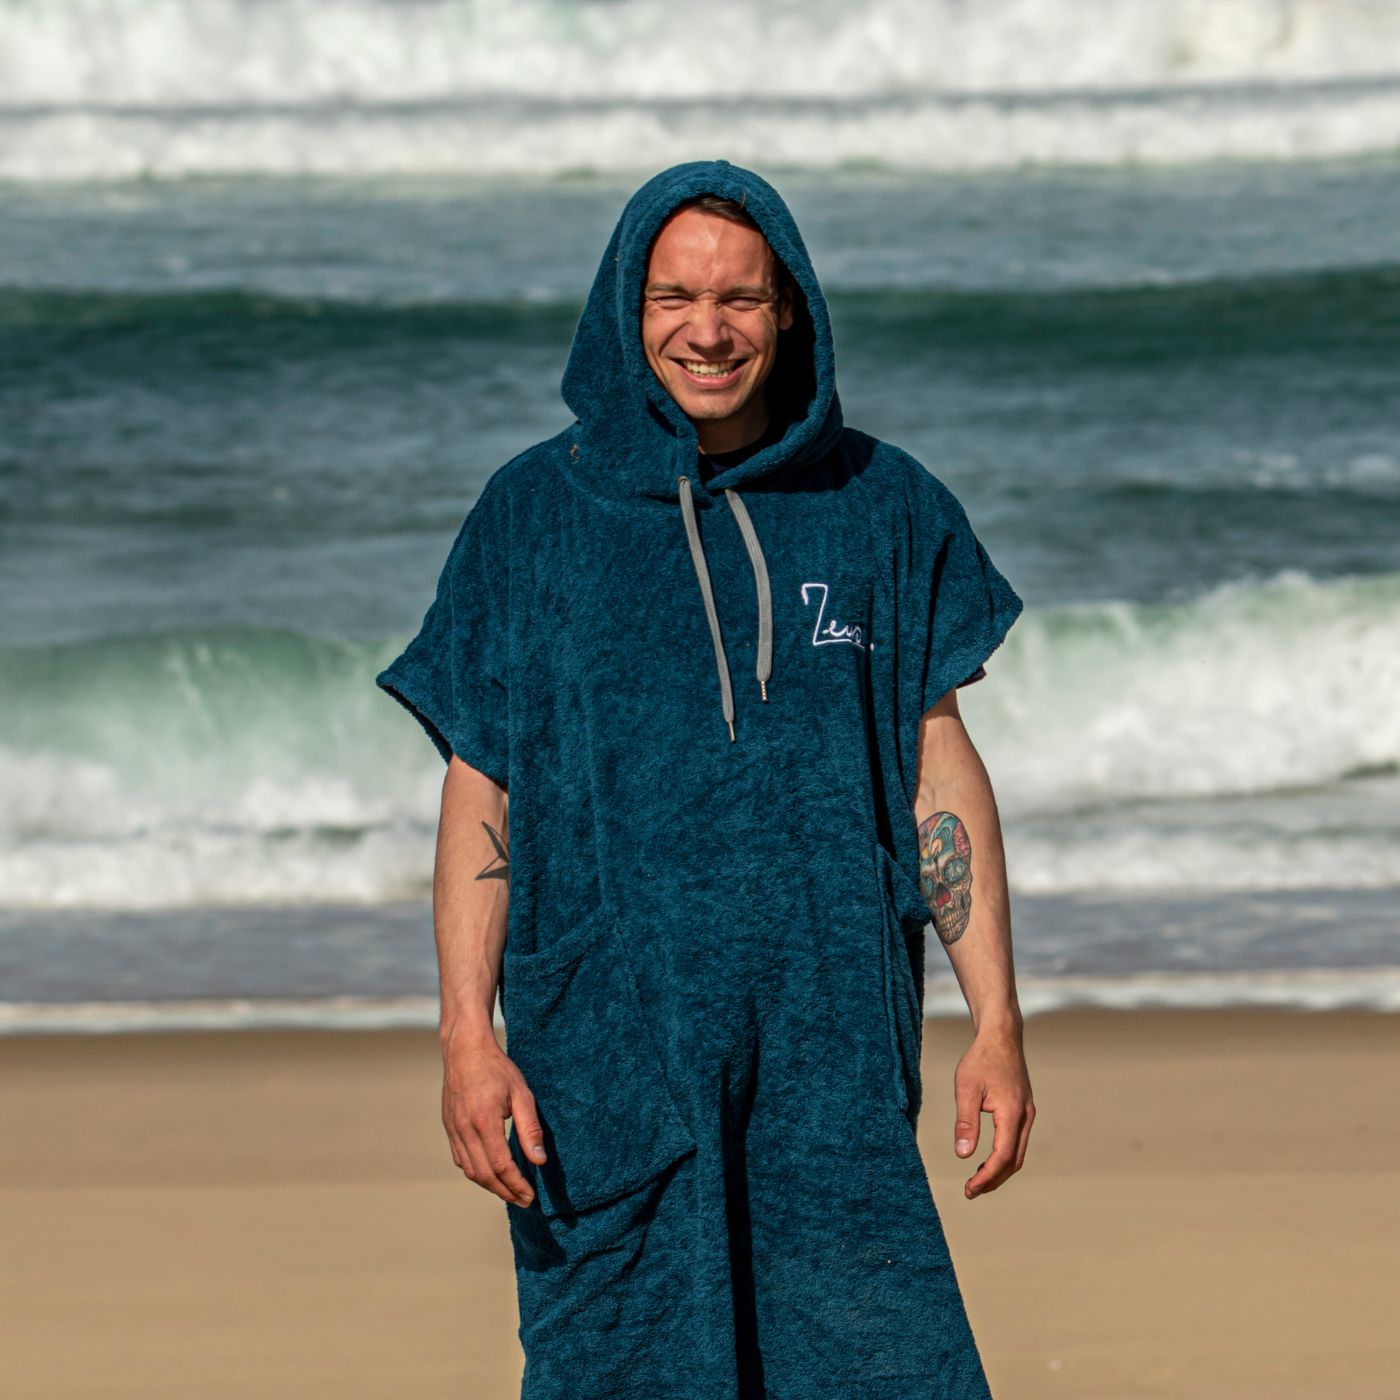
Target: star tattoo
499,866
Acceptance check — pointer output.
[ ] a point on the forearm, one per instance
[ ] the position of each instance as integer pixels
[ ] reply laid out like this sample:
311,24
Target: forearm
963,869
471,900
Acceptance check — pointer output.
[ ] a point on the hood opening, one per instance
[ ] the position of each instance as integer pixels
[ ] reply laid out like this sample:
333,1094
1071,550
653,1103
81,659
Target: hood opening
633,439
792,384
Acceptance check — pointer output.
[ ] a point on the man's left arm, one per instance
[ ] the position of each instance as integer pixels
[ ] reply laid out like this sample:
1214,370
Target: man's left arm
962,871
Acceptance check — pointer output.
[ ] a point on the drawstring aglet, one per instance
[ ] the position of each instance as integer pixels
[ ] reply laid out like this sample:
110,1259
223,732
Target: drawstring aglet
763,688
730,723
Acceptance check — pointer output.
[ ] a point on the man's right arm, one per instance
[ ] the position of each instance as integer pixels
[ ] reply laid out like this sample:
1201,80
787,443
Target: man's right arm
471,898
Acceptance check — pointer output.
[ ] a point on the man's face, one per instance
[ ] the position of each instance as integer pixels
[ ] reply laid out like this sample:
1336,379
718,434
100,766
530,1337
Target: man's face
710,321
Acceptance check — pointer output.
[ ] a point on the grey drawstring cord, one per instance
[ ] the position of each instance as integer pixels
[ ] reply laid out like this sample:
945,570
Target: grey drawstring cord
760,579
765,599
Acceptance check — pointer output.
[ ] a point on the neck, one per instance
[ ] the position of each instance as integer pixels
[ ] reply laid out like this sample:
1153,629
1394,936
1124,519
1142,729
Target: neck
730,434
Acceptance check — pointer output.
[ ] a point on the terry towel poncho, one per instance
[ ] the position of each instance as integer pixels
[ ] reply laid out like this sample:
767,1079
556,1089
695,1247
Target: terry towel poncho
714,966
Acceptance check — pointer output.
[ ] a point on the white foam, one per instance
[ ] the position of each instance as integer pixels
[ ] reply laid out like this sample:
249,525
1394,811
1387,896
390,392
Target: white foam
1365,989
318,1013
226,54
1134,747
1253,688
174,866
178,87
1136,855
914,134
1370,989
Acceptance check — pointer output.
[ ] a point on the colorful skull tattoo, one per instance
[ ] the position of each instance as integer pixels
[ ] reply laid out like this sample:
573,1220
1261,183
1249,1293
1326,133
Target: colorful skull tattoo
945,873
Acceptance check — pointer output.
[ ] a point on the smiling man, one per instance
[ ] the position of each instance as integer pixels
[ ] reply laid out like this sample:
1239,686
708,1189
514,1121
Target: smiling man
706,922
715,300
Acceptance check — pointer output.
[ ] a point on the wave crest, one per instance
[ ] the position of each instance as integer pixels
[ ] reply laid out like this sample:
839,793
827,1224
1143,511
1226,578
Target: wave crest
249,766
483,87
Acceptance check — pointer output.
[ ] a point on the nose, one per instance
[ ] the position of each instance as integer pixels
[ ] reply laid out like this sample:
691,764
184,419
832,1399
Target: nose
706,325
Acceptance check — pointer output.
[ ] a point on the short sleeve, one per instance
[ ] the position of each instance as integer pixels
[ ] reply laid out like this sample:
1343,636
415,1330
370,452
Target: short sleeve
452,676
959,605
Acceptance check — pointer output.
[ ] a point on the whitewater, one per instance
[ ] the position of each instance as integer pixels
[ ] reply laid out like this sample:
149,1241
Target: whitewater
255,767
168,88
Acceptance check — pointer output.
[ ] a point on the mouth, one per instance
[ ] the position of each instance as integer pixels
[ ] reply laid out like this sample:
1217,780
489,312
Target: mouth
712,374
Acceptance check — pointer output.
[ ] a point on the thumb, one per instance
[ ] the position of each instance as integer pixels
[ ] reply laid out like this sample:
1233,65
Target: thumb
968,1098
527,1124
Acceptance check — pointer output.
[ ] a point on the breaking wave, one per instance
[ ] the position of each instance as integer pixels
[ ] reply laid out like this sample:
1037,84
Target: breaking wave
252,766
94,90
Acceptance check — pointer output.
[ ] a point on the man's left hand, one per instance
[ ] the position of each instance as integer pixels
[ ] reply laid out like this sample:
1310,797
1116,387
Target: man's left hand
992,1078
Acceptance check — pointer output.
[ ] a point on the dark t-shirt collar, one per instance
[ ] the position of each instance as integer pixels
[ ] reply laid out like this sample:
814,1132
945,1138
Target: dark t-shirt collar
711,463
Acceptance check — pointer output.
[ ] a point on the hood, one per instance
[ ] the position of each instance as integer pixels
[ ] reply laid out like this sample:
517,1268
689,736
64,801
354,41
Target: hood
636,441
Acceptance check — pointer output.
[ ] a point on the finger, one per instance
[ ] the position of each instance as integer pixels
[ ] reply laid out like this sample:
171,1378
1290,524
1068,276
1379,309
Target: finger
967,1123
460,1158
997,1167
483,1172
1006,1135
502,1165
1025,1136
527,1124
455,1141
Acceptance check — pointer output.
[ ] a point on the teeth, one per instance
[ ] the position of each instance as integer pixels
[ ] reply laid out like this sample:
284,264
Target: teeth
713,371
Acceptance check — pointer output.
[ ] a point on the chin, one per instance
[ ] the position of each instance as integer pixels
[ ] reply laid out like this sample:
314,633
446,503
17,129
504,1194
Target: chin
708,410
707,406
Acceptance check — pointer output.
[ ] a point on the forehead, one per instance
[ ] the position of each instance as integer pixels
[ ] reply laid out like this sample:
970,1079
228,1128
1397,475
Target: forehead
694,245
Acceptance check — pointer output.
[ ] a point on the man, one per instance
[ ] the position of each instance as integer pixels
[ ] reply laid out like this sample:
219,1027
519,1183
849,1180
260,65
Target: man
710,945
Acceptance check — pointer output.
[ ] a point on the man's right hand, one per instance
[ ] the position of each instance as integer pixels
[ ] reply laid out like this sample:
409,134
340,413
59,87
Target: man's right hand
481,1089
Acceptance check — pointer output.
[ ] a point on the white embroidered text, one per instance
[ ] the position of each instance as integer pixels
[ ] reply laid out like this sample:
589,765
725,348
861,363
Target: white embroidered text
826,629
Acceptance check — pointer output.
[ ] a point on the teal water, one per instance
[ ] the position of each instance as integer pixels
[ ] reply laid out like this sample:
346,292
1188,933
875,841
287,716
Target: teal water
243,418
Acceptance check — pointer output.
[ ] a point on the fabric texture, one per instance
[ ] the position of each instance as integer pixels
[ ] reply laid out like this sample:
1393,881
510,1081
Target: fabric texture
713,973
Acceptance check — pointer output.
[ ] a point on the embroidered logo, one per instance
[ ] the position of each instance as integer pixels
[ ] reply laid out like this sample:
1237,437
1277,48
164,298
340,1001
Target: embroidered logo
827,630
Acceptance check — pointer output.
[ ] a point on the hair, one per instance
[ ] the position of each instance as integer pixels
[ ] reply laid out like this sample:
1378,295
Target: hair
785,283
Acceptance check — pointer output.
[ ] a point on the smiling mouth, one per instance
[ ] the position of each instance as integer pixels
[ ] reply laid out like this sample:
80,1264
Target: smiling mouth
712,372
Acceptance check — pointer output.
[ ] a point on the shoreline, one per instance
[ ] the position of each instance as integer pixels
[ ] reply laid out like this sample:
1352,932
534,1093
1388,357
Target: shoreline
1207,1209
355,966
1360,989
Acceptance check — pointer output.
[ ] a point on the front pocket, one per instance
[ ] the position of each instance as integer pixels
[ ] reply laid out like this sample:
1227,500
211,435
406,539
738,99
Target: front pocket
576,1029
904,915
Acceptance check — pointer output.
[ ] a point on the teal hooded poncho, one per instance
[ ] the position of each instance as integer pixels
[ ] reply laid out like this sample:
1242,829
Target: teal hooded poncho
704,700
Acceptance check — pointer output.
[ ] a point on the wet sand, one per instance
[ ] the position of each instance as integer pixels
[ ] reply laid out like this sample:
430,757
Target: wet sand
1209,1208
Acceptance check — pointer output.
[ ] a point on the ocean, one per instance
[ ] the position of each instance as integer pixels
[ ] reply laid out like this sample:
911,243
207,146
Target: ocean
281,284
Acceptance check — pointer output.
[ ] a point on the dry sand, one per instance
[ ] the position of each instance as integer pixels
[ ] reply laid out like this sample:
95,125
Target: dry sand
1209,1208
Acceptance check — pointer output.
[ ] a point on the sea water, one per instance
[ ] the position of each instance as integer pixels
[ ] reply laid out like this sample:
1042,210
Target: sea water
267,325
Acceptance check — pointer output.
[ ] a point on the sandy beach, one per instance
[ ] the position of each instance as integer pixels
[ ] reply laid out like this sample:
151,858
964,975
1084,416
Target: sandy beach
1209,1209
